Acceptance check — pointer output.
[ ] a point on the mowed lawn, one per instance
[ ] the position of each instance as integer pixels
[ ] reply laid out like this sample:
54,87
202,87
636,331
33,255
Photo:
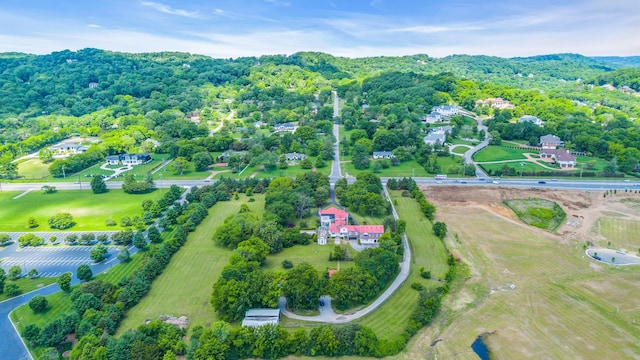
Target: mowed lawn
27,285
89,210
623,234
314,254
407,168
390,319
184,288
497,153
33,169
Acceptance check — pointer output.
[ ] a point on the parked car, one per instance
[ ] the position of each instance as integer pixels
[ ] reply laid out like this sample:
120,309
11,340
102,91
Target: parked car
542,182
321,302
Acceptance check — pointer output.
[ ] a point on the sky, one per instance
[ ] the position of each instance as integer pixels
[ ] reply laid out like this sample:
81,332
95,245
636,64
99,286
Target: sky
350,28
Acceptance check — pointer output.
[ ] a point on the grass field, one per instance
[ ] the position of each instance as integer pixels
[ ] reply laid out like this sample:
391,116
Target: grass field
540,213
561,305
526,166
184,288
314,254
89,210
497,153
408,168
622,233
33,169
427,251
26,285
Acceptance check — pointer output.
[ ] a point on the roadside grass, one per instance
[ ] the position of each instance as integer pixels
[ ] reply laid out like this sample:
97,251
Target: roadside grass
292,170
527,166
89,210
367,219
540,213
449,164
599,163
184,288
559,307
497,153
464,142
407,169
164,174
26,285
621,233
314,254
33,169
392,317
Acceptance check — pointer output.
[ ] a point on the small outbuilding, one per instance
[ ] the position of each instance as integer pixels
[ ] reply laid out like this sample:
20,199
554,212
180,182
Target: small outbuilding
261,317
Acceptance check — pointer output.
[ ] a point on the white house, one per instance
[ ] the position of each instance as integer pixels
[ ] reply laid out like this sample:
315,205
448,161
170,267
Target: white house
437,135
434,117
285,127
67,149
447,110
496,103
128,159
531,119
383,155
294,156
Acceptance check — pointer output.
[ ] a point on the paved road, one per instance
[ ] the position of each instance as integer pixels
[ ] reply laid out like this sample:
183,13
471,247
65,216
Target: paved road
613,257
326,312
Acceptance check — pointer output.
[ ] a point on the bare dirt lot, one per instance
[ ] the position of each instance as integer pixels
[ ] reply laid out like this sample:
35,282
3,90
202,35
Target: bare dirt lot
536,291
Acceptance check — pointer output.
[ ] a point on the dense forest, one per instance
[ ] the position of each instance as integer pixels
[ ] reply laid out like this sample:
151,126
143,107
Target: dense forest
127,99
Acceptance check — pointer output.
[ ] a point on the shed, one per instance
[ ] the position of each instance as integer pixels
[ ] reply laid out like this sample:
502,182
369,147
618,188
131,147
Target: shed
260,317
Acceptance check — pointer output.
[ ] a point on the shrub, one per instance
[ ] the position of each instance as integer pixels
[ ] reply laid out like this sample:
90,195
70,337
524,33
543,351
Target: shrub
287,264
61,221
38,303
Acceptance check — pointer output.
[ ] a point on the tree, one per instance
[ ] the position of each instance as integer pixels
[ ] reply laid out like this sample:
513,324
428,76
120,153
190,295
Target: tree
4,239
306,164
61,221
99,253
360,157
98,185
154,235
440,229
139,241
64,281
38,303
123,255
33,273
31,333
84,273
179,165
201,160
32,222
48,189
302,287
15,272
45,155
11,289
3,278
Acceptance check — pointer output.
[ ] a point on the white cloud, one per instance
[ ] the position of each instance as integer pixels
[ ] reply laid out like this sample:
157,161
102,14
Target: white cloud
95,26
278,3
169,10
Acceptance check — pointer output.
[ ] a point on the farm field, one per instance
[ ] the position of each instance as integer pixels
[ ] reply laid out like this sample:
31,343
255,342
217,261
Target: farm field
540,213
33,169
184,288
561,304
89,210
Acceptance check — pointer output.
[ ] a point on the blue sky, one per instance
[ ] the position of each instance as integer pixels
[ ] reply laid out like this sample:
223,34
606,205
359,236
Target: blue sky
228,28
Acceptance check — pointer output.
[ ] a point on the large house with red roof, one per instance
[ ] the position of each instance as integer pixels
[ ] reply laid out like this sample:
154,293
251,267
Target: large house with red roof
551,149
335,223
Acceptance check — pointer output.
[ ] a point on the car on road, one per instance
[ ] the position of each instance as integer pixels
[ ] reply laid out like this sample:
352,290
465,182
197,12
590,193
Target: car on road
496,182
207,181
463,182
542,182
321,302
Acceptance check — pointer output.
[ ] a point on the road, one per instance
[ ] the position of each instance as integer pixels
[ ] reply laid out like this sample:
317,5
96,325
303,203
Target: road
468,155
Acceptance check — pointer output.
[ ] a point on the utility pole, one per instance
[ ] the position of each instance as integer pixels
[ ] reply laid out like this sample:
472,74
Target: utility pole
79,182
63,173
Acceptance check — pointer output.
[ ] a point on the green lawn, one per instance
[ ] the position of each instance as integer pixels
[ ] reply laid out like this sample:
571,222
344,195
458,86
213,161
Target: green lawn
427,251
541,213
460,150
465,142
184,288
89,210
27,285
526,166
497,153
314,254
367,219
33,169
407,168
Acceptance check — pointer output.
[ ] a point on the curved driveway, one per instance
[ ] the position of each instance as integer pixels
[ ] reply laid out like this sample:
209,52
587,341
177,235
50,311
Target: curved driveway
327,314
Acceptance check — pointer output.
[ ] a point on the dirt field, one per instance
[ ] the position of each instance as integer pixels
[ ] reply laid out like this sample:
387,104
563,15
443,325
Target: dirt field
535,291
